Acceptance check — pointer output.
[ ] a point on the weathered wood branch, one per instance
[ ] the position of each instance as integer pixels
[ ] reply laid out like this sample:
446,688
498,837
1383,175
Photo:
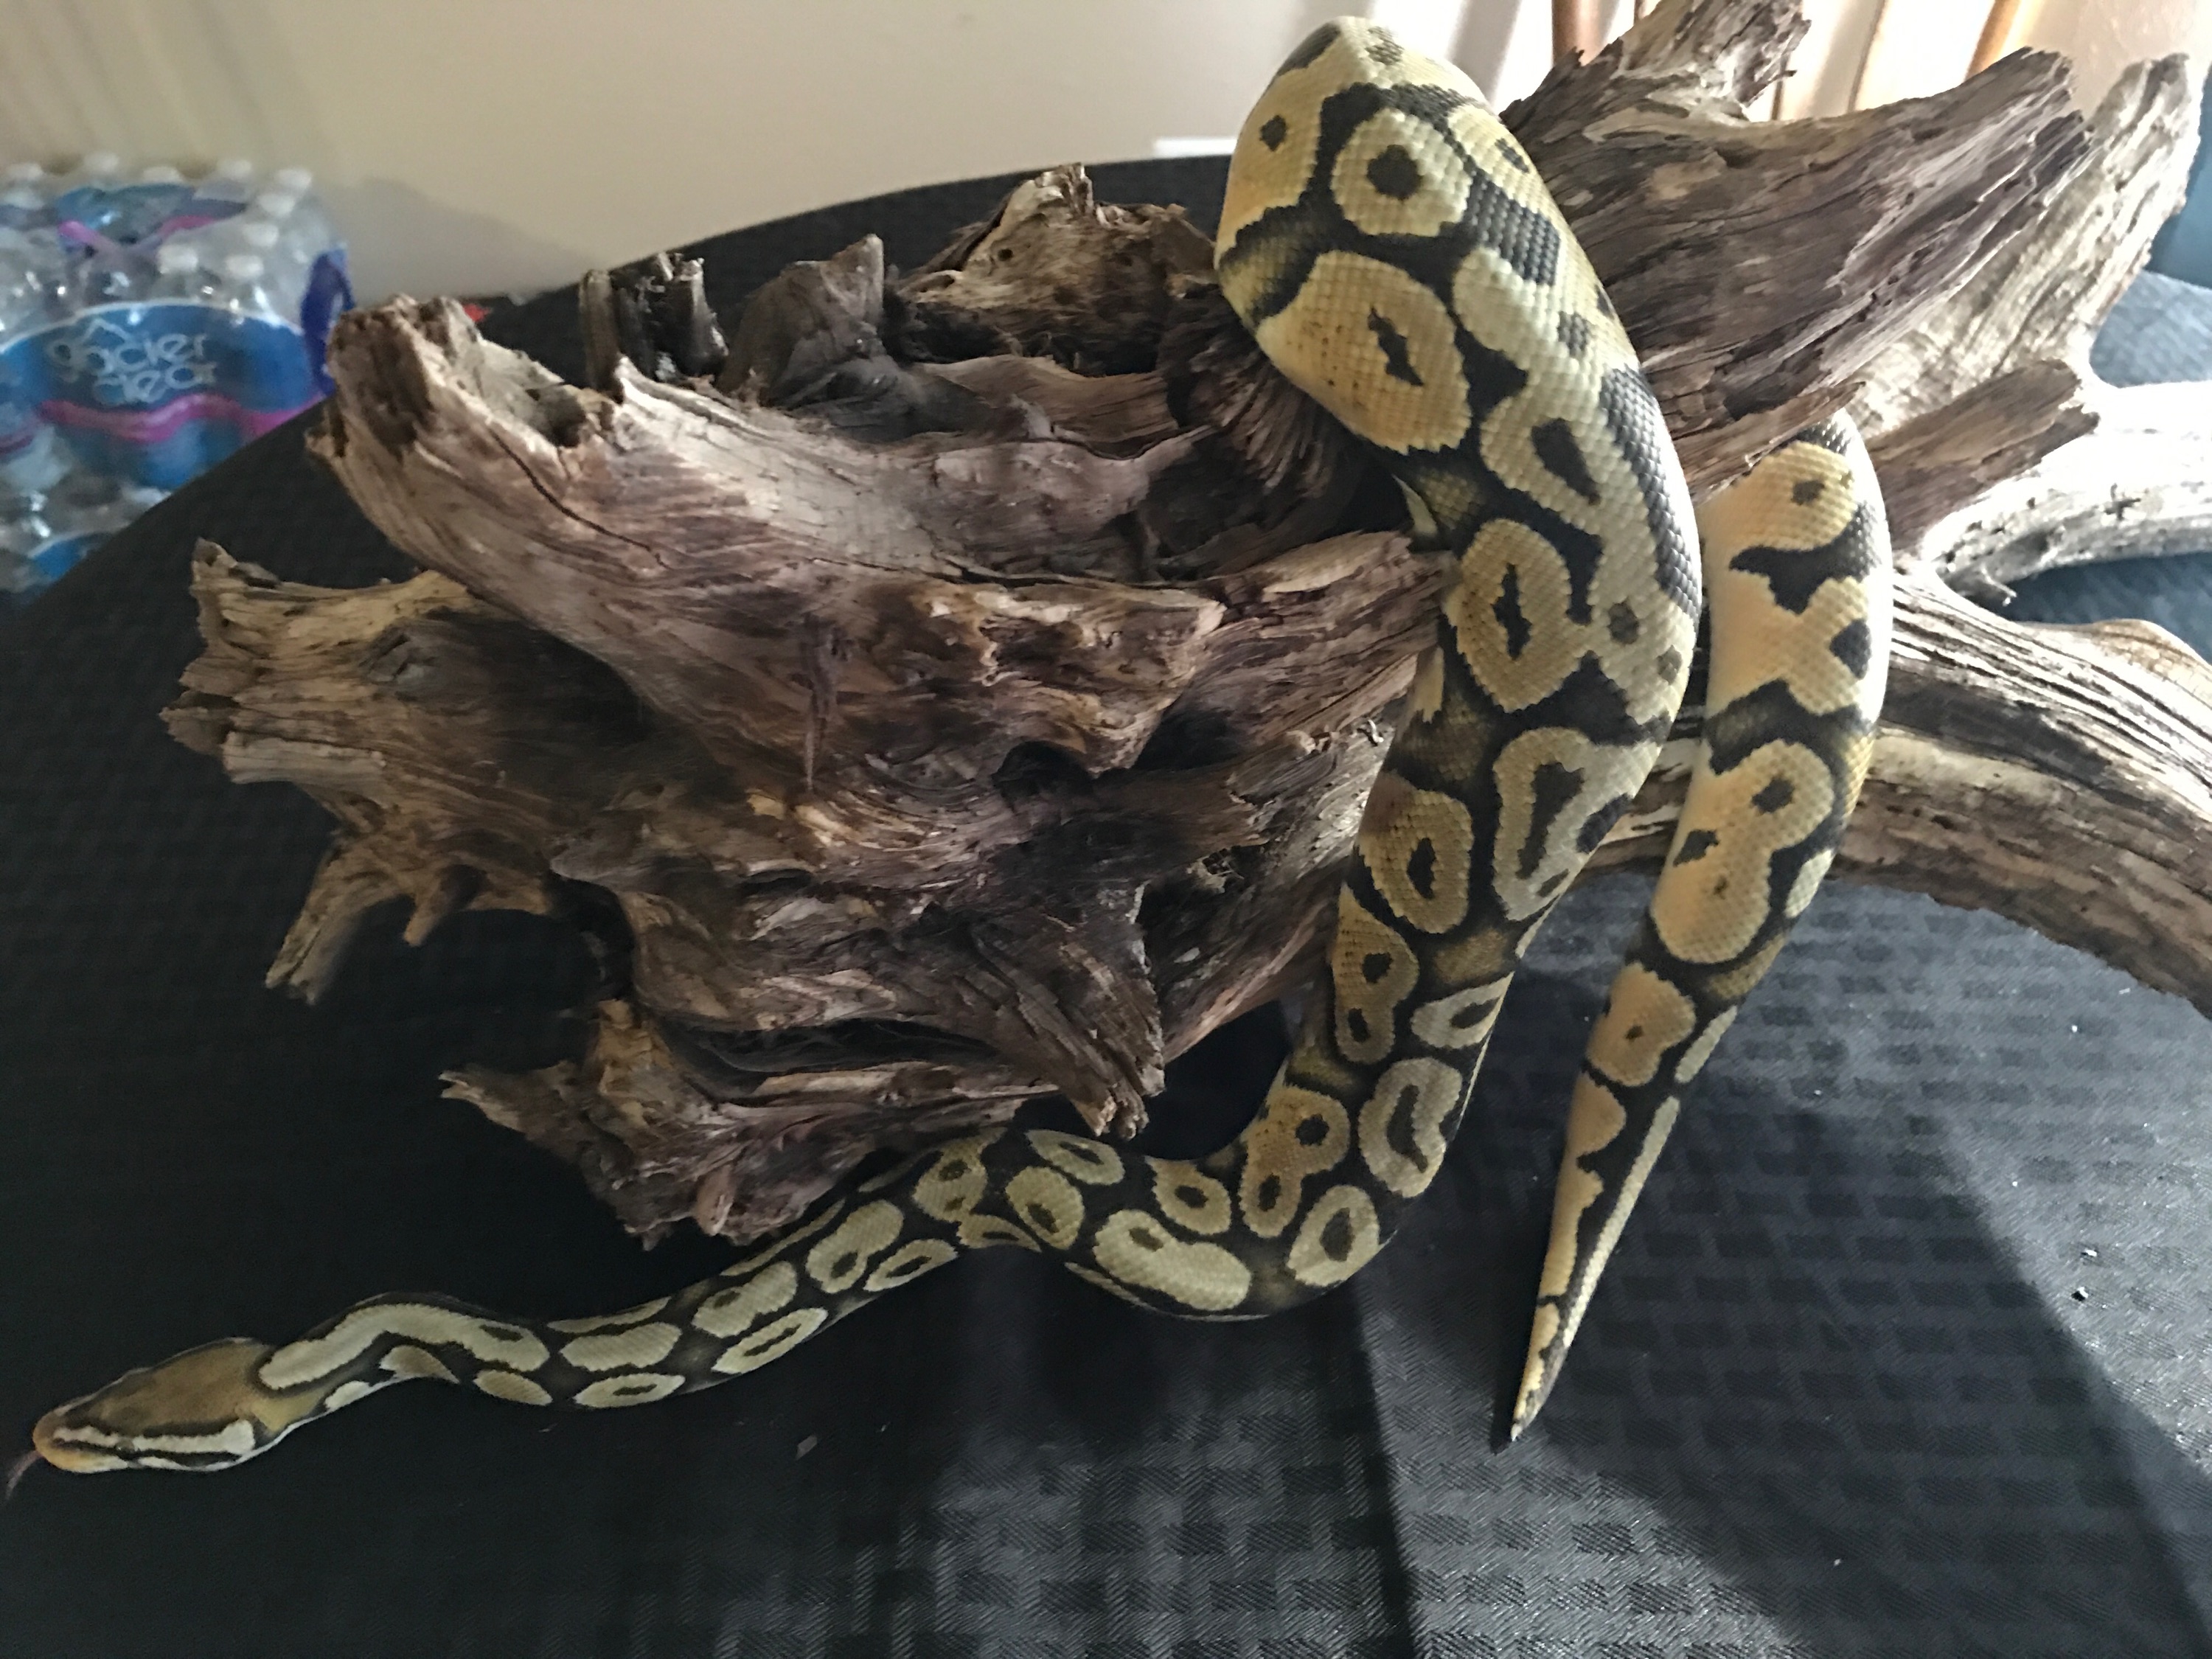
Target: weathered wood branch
2011,454
1761,265
933,690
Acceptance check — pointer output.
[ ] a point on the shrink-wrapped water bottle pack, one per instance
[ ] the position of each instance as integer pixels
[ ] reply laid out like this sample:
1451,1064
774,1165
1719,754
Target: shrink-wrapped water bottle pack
149,326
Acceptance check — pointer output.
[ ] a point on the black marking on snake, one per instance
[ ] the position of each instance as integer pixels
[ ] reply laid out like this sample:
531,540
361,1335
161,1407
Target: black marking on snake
1640,432
1356,1023
1511,619
1492,378
1695,845
1145,1239
1435,105
1777,793
1190,1195
1310,48
1805,491
1599,824
1274,131
1336,1236
1525,239
1794,575
1395,173
1854,647
1622,623
1830,434
1280,248
1593,703
504,1334
1769,713
1396,355
844,1264
1551,791
1563,458
1375,966
1466,1018
1398,1128
1269,1191
1574,332
1510,153
1385,50
1421,868
1312,1131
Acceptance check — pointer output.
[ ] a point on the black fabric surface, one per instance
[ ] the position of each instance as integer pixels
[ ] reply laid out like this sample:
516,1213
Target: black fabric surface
1907,1353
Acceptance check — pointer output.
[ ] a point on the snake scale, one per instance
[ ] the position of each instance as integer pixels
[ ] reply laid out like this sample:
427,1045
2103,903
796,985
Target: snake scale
1392,249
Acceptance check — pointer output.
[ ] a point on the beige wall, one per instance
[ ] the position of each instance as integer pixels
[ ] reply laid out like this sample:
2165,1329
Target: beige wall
495,145
2103,37
490,145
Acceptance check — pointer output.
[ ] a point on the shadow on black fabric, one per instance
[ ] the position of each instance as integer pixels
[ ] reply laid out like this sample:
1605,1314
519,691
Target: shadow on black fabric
1815,1409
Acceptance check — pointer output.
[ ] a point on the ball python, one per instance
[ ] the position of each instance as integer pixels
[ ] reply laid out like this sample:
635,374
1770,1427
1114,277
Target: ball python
1391,248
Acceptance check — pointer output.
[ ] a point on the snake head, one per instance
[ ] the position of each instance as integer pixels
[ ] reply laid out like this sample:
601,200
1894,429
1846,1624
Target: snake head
202,1410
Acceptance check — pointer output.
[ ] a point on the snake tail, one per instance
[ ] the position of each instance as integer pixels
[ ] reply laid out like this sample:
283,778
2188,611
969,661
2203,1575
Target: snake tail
1797,582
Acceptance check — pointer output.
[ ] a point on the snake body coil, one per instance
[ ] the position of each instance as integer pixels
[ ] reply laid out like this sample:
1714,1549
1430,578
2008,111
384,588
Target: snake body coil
1392,249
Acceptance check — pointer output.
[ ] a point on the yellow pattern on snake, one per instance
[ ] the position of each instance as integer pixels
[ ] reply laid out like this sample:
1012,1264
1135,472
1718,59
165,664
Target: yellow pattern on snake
1392,249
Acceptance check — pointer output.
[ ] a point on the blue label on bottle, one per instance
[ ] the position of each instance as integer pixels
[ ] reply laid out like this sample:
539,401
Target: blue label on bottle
20,425
51,561
329,296
154,394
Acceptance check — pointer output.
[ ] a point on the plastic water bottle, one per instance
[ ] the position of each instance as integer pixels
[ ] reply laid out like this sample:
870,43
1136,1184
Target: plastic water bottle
245,291
22,207
33,458
137,212
122,297
294,202
231,180
181,275
112,274
275,228
101,169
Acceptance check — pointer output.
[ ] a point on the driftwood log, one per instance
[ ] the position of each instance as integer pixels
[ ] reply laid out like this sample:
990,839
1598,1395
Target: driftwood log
934,689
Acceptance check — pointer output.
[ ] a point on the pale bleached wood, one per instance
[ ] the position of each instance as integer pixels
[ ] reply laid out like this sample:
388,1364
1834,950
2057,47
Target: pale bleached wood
2093,472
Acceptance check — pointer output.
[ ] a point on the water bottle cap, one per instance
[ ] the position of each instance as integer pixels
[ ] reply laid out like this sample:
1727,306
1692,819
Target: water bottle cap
160,174
259,234
243,267
103,163
26,172
275,204
297,180
233,168
176,259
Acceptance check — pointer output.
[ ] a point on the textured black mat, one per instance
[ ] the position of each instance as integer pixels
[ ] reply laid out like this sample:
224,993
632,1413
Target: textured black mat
1906,1354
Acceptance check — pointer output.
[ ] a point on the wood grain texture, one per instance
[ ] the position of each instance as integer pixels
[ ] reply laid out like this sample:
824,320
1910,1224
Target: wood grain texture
931,690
